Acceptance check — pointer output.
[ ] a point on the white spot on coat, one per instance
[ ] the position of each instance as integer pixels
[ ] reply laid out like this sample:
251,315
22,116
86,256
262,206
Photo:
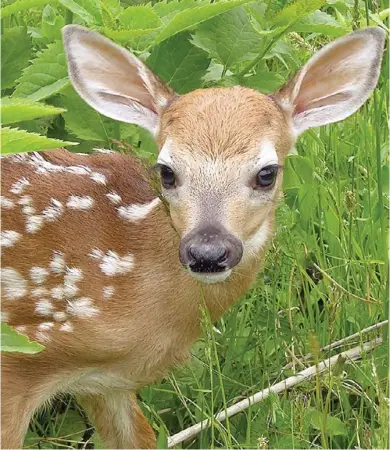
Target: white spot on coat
38,274
6,203
108,292
59,316
18,187
34,223
113,264
53,211
82,307
98,178
57,292
42,337
114,197
96,254
72,276
14,285
79,202
57,263
44,326
9,237
44,307
132,213
67,326
39,292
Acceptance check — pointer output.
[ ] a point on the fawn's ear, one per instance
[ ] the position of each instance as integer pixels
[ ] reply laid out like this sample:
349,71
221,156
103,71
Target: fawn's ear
112,80
335,82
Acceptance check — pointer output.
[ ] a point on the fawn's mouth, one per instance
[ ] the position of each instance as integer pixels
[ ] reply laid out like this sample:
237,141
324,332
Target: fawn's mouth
211,278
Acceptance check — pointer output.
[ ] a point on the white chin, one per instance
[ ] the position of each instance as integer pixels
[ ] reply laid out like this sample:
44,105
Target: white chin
211,278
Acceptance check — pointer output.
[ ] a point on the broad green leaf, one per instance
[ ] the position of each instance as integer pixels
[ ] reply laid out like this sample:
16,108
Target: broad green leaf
22,5
77,9
139,18
16,110
12,341
320,22
46,75
332,425
265,82
179,63
84,122
228,37
14,140
15,54
190,17
125,36
296,11
167,10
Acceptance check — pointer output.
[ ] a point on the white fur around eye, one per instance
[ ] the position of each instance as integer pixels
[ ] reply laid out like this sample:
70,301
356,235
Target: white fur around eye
268,155
164,156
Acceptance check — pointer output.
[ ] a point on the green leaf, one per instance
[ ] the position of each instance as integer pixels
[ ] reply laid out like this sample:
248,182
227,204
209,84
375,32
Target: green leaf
15,110
167,10
139,18
320,22
179,63
228,37
12,341
332,425
190,17
52,23
162,440
14,140
296,11
84,122
22,5
265,82
46,75
77,9
15,54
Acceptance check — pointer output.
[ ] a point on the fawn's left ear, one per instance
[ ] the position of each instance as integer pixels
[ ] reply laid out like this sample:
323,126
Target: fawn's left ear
335,82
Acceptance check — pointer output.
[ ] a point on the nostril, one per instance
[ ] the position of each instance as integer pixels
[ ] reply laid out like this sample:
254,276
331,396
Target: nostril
223,257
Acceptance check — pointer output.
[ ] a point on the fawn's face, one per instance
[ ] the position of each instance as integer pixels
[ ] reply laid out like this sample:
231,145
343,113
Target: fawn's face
222,178
222,150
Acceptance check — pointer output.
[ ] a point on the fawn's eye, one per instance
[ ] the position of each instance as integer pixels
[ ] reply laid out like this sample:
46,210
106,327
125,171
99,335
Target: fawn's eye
267,176
168,179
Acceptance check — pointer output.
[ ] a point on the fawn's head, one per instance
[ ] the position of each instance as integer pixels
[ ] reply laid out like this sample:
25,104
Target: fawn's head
222,149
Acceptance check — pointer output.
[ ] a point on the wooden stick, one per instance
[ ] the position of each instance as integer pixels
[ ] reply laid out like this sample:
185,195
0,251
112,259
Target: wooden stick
290,382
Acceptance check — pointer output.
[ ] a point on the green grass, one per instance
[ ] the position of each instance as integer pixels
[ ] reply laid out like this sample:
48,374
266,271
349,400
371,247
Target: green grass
334,217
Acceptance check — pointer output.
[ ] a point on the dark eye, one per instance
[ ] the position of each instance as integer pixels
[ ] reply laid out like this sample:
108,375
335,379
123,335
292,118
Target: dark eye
168,179
267,176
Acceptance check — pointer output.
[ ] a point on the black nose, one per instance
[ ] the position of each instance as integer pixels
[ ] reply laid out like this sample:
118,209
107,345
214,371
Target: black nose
210,249
207,257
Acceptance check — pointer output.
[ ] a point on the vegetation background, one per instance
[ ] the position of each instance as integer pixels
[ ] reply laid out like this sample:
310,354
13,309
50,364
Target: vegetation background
326,275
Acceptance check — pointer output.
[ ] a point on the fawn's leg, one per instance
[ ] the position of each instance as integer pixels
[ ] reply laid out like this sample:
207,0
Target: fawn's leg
119,420
21,395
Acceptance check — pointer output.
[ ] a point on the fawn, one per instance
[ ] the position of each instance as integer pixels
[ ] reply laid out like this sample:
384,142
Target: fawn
96,269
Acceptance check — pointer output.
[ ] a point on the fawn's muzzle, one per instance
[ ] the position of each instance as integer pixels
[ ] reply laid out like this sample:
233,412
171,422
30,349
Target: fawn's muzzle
210,249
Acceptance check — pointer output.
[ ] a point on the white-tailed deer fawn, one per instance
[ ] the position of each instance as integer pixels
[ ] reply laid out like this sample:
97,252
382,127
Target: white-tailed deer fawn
97,270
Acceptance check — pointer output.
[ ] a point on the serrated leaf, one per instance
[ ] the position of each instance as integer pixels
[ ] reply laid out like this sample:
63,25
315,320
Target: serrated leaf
128,36
139,18
14,140
84,122
228,37
46,75
14,110
190,17
15,54
320,22
52,23
167,10
179,63
12,341
296,11
22,5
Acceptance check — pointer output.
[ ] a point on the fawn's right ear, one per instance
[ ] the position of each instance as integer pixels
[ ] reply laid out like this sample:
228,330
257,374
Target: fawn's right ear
112,80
